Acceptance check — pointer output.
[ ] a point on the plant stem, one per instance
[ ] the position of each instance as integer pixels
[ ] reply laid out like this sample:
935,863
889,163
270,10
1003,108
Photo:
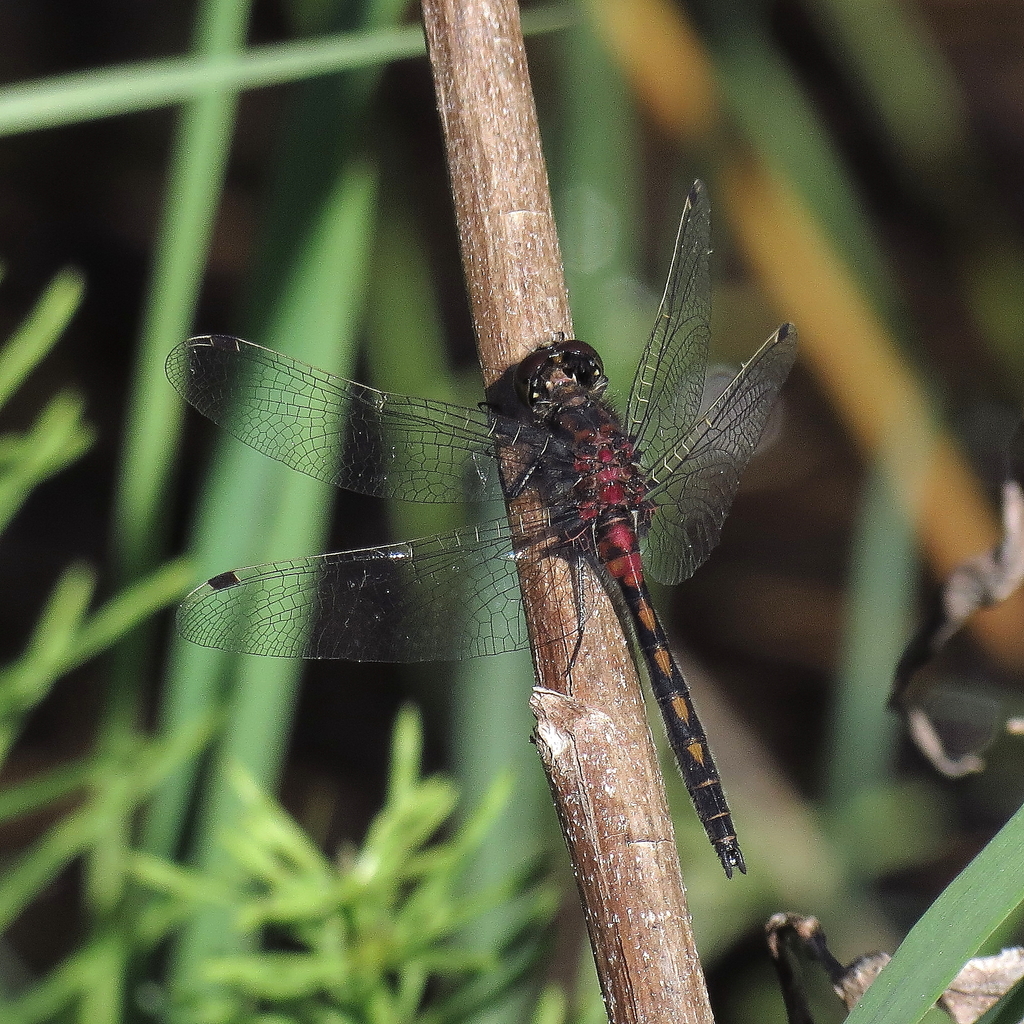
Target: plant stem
592,732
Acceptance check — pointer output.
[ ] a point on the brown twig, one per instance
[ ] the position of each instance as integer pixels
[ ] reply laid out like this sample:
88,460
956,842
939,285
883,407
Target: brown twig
592,733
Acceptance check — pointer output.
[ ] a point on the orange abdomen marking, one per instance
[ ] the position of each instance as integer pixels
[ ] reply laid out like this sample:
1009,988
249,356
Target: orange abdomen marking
680,707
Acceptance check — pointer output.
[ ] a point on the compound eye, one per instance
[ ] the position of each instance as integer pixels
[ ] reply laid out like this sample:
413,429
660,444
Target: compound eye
582,362
528,373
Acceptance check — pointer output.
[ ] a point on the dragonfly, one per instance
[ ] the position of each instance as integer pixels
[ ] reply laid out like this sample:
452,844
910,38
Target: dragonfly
631,494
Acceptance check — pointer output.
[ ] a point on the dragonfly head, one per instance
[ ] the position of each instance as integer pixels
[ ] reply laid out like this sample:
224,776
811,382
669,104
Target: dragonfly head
559,373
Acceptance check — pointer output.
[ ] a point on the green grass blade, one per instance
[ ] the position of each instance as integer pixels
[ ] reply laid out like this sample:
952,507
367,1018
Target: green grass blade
953,929
128,88
89,95
307,301
200,154
199,158
901,68
864,731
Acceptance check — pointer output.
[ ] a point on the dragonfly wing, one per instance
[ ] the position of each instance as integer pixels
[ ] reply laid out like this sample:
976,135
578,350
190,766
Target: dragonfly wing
694,484
445,597
336,430
669,381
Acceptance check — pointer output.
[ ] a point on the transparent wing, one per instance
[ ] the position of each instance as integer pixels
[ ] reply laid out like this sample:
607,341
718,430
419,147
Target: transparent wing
666,391
694,484
442,598
335,430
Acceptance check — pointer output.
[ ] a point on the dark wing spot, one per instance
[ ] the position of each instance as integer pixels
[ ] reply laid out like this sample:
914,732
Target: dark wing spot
223,581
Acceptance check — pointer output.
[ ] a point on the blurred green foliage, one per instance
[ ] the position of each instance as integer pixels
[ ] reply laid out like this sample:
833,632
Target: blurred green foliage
366,938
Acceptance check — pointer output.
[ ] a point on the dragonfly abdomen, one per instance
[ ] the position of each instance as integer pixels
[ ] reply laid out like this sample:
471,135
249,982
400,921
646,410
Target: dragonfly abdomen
618,549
